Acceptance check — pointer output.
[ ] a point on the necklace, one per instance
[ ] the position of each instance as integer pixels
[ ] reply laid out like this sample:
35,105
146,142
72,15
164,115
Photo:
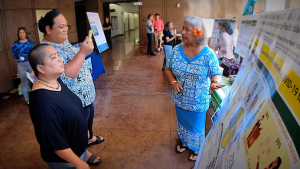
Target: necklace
44,83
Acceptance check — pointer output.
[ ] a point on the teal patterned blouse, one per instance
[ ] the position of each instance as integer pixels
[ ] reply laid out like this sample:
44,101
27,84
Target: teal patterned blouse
194,74
82,85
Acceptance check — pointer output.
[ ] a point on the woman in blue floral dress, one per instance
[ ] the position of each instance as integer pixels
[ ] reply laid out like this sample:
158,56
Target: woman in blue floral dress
194,72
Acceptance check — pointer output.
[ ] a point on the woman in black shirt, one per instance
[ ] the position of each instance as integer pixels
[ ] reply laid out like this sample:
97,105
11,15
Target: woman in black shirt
60,127
168,41
107,32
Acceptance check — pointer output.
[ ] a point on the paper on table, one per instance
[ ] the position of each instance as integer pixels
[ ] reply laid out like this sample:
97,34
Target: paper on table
29,77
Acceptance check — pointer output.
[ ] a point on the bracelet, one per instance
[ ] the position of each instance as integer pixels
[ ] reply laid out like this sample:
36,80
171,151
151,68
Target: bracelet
174,81
214,81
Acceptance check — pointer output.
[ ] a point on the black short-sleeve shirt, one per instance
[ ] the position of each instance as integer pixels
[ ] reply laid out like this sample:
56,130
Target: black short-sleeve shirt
168,34
107,32
59,122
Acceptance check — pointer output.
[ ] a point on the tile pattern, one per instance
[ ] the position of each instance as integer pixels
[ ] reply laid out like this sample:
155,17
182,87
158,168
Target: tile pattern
133,111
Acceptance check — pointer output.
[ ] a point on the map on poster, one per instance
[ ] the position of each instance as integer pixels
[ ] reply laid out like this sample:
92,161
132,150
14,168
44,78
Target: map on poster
98,33
258,125
247,28
216,30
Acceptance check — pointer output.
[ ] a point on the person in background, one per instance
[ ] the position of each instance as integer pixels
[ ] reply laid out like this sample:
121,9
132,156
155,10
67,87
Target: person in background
158,29
150,30
60,127
194,72
20,50
77,76
226,42
168,41
107,32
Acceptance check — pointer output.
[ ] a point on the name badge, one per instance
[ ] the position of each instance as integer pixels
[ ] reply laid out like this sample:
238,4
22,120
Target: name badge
22,58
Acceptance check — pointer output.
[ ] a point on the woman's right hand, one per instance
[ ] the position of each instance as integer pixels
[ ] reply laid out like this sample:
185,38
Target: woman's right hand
86,47
82,165
177,87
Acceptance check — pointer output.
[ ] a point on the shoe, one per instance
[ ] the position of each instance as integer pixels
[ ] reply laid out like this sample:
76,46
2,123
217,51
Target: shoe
98,141
158,49
152,54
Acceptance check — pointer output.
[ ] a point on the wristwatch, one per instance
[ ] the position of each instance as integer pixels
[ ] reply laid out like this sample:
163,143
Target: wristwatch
214,81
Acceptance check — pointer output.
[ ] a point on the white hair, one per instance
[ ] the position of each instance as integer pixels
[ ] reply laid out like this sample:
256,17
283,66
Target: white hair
198,23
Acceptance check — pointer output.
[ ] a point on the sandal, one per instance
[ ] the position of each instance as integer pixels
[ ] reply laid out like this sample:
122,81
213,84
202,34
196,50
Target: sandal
98,141
92,159
181,147
194,155
27,103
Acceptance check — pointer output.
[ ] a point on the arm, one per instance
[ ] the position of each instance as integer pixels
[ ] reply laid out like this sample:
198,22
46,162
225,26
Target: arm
176,86
169,39
15,51
214,73
168,71
73,67
71,157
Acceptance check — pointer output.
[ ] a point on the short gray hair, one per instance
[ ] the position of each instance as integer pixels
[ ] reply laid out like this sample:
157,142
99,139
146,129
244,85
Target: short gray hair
198,23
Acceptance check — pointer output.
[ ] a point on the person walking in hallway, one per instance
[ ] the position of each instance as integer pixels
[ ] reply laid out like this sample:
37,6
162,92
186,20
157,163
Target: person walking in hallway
158,29
107,32
194,72
150,30
20,51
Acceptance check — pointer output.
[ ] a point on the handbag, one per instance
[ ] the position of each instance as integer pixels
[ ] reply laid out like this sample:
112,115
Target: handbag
229,67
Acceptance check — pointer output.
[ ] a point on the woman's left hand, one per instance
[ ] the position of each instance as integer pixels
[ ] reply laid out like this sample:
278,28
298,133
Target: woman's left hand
214,86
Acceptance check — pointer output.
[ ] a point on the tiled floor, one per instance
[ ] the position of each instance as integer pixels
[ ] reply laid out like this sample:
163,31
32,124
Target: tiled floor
133,111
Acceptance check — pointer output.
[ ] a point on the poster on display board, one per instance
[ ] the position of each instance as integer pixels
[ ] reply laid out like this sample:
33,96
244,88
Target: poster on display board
258,125
216,30
247,28
97,29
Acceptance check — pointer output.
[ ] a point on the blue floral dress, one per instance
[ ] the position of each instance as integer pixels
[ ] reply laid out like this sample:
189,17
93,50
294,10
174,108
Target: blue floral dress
193,102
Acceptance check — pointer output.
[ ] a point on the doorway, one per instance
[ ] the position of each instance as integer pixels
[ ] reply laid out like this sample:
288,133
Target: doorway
39,14
81,20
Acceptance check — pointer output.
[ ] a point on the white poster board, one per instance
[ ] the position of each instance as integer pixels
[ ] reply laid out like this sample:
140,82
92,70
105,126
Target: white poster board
209,25
259,120
98,33
216,30
247,28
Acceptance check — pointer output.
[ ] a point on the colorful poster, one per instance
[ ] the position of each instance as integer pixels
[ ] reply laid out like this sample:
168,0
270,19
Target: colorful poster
247,28
216,30
98,33
259,120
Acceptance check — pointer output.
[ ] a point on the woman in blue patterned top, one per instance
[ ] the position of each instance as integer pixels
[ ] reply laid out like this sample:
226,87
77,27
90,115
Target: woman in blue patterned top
20,51
77,76
194,72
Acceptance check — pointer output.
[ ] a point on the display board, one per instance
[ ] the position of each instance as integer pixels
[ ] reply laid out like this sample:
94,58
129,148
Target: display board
98,33
247,28
216,30
258,121
209,25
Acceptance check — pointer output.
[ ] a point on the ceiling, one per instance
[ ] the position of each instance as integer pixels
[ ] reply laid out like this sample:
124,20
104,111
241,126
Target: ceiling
118,1
113,1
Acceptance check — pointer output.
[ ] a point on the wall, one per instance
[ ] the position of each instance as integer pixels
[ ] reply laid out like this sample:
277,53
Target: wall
136,21
203,8
274,5
121,11
17,13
